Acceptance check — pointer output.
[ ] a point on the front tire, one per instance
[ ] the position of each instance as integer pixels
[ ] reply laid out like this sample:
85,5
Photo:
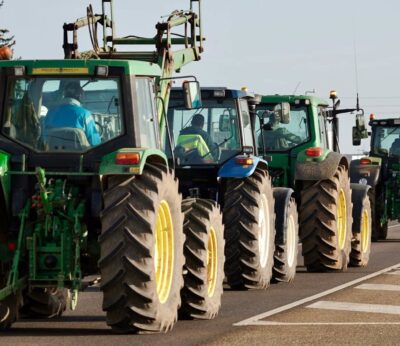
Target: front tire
286,241
325,222
142,251
361,242
249,220
204,253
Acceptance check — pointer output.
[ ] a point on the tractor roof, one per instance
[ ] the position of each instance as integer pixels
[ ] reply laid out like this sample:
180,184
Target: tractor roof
215,93
385,122
82,67
316,101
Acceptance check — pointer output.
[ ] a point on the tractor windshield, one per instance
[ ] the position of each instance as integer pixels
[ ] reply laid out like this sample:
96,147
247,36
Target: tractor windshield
281,134
62,114
205,136
386,141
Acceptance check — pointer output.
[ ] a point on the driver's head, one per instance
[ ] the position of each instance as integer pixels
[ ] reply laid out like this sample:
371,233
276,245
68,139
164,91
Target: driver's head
198,120
274,118
73,90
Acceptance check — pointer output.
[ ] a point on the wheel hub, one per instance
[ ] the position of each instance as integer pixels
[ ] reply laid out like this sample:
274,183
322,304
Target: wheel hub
164,251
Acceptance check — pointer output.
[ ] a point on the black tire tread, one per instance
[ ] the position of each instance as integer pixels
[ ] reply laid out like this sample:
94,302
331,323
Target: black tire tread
240,215
282,272
200,215
318,225
358,258
127,251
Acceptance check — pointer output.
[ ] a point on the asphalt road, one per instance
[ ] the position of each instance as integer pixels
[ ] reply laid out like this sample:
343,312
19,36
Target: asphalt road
361,312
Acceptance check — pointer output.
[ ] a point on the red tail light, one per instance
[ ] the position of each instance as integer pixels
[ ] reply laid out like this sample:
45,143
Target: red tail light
245,161
127,158
314,152
11,246
365,162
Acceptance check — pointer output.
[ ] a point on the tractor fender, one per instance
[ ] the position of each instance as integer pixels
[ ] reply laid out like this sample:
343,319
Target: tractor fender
108,165
231,169
319,169
358,193
371,173
282,197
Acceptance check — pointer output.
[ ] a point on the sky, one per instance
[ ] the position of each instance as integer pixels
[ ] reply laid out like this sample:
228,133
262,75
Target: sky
271,47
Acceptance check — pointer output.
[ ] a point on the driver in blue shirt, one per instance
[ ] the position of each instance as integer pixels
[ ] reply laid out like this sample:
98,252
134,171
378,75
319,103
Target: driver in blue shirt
70,113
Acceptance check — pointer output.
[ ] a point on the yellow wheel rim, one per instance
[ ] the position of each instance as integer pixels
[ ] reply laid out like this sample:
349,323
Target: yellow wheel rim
342,219
365,230
212,262
164,251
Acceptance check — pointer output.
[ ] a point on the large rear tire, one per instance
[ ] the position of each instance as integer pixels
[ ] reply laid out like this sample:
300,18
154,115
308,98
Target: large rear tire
361,242
325,222
142,251
249,220
286,245
204,253
45,303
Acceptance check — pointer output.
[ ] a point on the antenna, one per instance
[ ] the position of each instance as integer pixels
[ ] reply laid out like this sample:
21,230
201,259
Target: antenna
295,89
356,69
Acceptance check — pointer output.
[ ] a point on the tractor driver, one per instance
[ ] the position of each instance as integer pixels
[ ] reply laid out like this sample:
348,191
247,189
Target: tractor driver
276,137
196,128
205,146
71,114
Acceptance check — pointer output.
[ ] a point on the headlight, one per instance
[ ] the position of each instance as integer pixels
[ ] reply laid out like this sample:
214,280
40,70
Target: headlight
363,181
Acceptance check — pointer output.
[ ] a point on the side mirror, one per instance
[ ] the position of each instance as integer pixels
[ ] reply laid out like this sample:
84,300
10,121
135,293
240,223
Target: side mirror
360,125
283,110
192,94
356,136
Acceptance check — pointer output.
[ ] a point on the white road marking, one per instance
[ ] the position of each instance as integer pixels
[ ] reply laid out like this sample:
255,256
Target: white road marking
255,319
275,323
359,307
379,287
395,272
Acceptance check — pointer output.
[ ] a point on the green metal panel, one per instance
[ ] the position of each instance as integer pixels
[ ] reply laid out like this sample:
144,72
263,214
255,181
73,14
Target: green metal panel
5,177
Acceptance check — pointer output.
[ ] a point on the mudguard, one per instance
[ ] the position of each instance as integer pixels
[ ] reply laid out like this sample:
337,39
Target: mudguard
358,193
282,197
371,172
319,169
108,165
231,169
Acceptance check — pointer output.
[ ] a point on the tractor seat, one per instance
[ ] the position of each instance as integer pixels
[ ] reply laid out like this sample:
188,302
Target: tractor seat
67,139
395,148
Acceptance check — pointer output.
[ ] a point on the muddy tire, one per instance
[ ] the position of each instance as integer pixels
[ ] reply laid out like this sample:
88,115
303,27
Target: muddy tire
325,215
45,303
361,242
286,241
249,219
142,251
9,311
379,232
204,254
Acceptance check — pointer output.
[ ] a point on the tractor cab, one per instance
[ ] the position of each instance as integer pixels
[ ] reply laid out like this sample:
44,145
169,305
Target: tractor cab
207,139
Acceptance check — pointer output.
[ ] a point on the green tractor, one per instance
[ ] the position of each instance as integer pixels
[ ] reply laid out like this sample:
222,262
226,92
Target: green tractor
216,158
88,190
381,170
298,135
